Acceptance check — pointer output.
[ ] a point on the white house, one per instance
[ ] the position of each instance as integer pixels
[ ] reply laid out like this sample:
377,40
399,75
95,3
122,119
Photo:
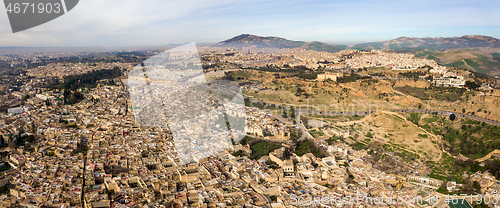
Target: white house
18,110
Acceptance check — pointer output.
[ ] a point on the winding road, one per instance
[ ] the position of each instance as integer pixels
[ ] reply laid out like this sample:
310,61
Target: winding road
441,112
351,113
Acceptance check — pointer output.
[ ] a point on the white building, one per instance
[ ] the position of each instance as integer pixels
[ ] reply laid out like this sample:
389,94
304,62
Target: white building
44,97
18,110
459,81
330,162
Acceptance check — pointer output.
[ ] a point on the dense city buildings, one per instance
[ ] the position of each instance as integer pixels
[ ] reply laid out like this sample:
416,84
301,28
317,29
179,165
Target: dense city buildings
99,151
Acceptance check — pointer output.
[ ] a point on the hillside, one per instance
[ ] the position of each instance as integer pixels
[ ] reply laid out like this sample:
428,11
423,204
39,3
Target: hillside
247,40
473,52
439,43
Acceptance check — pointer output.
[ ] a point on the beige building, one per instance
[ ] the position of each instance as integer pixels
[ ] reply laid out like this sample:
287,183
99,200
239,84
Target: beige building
111,185
288,168
449,81
191,174
329,75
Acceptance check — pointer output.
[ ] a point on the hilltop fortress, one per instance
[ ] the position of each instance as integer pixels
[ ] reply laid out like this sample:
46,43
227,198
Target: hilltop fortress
329,75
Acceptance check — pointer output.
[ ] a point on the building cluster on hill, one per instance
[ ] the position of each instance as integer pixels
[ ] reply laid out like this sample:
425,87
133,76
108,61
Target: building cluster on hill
449,81
105,151
296,58
66,69
94,154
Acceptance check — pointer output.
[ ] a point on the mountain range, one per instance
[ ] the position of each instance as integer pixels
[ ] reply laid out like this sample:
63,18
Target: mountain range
439,43
247,40
476,52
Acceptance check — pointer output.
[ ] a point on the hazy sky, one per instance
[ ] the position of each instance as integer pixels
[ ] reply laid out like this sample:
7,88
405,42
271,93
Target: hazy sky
160,22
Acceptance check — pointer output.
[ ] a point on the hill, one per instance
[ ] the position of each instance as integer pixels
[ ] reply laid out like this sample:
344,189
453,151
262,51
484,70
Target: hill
439,43
474,52
247,40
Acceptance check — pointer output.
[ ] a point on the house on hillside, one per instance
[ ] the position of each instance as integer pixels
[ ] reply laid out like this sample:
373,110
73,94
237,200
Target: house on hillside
329,75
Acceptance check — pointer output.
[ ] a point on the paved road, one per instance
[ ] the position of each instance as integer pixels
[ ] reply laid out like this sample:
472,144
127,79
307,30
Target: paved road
304,110
351,113
478,118
305,133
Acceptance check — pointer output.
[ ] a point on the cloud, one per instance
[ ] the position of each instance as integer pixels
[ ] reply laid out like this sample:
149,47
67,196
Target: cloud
159,22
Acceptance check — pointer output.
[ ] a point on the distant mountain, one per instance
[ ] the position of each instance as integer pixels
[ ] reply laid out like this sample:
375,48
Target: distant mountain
475,52
405,43
247,40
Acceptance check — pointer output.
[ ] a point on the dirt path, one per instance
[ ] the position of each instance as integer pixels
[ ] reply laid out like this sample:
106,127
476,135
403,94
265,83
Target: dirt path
463,60
428,142
429,133
488,156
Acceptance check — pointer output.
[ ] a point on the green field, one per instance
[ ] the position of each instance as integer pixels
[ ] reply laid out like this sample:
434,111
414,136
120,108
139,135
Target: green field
305,147
495,55
259,148
438,93
472,63
468,137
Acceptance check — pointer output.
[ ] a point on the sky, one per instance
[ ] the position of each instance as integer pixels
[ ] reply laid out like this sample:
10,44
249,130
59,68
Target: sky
112,23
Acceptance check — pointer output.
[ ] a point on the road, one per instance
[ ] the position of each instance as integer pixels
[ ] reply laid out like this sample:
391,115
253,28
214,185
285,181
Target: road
441,112
351,113
302,110
306,134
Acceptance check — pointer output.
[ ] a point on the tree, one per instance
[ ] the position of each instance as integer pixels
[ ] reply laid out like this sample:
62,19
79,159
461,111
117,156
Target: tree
477,186
331,140
72,100
471,85
463,110
299,91
272,164
287,153
304,120
482,205
452,117
110,194
66,94
78,95
294,136
12,145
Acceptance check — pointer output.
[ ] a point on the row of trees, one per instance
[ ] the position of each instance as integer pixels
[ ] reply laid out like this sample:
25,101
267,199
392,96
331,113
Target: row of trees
413,74
465,140
72,97
90,79
492,166
19,140
87,80
351,78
